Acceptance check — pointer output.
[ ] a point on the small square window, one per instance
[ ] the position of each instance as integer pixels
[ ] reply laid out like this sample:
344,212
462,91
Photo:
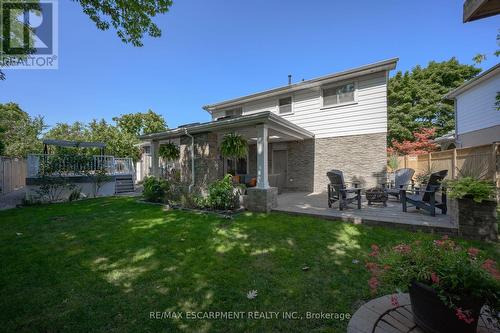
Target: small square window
338,95
285,105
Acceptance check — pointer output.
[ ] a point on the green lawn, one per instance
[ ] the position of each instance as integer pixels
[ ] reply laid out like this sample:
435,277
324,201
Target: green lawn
103,265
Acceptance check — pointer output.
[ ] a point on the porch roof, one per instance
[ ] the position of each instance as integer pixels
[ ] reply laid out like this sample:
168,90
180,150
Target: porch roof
275,123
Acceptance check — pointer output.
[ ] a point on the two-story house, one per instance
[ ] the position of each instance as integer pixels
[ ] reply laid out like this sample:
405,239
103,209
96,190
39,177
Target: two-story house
477,118
295,133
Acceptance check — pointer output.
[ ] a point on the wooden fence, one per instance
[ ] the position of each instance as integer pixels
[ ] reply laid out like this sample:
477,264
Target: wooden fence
12,174
479,160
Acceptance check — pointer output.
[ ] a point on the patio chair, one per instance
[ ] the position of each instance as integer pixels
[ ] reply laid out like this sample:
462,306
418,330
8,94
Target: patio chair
402,179
337,191
426,199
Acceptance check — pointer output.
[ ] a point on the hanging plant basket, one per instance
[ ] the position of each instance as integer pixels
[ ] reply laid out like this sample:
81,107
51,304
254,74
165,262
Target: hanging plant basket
169,151
234,146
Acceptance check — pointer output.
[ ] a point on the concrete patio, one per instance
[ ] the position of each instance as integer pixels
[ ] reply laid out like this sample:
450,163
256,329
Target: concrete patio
315,204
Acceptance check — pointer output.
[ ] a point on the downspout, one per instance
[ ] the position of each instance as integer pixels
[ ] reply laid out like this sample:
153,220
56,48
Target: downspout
192,160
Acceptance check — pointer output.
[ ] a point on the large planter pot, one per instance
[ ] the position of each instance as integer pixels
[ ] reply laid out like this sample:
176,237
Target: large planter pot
433,316
477,220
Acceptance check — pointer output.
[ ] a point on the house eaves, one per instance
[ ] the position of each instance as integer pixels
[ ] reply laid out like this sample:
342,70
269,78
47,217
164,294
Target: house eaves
265,117
384,65
487,74
478,9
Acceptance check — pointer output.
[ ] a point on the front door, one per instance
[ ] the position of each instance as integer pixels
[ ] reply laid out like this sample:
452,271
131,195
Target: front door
280,167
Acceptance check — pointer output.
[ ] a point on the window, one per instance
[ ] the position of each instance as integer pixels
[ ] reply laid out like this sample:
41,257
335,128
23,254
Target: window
241,166
285,105
338,94
147,150
233,112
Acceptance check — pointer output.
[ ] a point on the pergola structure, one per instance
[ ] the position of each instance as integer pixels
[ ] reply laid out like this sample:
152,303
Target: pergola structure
72,144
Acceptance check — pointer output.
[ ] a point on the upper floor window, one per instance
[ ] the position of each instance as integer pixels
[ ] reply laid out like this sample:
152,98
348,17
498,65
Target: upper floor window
233,112
335,95
285,105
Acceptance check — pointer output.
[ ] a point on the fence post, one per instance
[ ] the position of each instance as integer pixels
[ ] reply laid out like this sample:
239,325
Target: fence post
406,161
454,164
429,161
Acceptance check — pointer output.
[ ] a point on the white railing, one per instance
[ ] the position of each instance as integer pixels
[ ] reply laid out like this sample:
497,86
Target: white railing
70,165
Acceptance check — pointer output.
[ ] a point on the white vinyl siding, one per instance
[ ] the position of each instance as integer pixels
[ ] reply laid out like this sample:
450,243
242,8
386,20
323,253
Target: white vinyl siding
476,106
367,115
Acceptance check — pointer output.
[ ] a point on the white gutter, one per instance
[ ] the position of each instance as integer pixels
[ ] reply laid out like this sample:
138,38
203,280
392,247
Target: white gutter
192,160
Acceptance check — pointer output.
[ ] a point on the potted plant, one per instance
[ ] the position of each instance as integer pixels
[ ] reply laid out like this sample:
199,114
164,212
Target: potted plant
448,284
169,152
476,207
234,146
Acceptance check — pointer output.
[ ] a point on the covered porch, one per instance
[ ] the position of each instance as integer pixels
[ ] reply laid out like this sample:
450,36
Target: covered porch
272,161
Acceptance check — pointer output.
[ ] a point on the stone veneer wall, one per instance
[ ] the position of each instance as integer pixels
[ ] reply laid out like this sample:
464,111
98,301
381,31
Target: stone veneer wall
362,158
300,173
207,164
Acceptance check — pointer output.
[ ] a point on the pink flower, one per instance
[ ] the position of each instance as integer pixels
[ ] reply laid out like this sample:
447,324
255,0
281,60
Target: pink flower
434,278
372,267
490,266
394,300
473,252
373,283
402,248
375,250
464,315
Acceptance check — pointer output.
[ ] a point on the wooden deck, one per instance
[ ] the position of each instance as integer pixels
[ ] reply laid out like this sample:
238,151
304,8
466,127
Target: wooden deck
315,204
381,316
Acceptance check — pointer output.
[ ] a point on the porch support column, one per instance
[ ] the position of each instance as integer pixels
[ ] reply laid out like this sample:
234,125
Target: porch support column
262,157
155,159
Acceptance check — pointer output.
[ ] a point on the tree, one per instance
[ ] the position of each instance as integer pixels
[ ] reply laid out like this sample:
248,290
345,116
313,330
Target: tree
415,98
423,143
21,133
141,123
131,19
2,143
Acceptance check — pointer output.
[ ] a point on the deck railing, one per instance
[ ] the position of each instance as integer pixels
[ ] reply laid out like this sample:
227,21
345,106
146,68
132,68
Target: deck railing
71,165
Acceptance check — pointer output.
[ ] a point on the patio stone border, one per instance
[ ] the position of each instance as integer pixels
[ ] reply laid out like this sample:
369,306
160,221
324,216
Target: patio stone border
359,220
381,316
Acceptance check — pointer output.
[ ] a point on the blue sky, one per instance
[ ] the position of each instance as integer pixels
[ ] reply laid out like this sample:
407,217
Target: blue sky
220,49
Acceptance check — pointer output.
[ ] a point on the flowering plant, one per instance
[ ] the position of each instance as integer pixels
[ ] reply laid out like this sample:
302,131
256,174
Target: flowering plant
452,271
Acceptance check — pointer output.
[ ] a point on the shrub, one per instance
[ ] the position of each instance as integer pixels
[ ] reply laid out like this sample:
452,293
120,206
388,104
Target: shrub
222,194
155,189
452,271
471,188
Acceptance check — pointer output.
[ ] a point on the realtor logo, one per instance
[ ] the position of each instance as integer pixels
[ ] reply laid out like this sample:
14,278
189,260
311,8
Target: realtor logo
28,34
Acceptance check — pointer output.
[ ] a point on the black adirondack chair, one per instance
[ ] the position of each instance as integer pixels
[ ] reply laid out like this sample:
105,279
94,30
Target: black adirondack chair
402,180
426,199
337,191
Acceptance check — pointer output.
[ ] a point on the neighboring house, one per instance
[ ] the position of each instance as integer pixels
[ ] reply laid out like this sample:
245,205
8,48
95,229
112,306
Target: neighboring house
296,133
477,118
446,141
